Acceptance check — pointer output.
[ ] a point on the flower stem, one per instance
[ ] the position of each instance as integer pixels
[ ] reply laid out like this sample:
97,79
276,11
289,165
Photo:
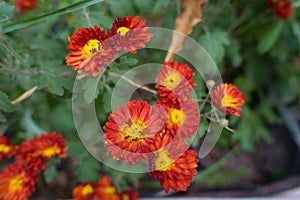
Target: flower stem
15,54
132,82
86,15
203,103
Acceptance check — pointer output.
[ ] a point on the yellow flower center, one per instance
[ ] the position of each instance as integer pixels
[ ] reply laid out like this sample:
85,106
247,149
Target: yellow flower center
49,152
16,183
125,197
163,162
91,47
88,189
4,148
228,101
122,30
110,190
135,130
172,80
176,117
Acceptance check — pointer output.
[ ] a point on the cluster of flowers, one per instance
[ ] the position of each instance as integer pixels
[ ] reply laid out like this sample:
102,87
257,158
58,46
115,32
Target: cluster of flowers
18,180
138,131
24,5
282,9
103,190
157,134
92,48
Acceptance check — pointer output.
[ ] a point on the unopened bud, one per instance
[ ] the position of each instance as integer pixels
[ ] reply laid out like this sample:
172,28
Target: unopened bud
210,84
224,122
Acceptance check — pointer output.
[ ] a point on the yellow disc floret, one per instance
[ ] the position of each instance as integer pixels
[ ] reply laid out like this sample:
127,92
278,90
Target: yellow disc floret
4,148
228,101
91,47
176,117
122,30
135,129
172,80
163,162
88,189
49,152
110,190
16,183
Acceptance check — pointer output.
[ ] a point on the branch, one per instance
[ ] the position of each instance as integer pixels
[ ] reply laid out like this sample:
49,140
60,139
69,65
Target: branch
15,54
132,82
24,96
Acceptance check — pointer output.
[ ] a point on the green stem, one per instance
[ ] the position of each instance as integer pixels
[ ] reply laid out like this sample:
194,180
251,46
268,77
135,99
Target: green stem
203,103
86,15
9,71
216,166
15,54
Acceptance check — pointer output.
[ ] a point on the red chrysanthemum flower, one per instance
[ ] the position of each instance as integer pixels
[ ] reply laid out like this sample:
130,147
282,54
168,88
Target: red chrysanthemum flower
175,82
182,118
23,5
7,150
91,50
130,33
131,128
44,147
17,182
282,8
129,194
84,191
105,190
174,166
228,99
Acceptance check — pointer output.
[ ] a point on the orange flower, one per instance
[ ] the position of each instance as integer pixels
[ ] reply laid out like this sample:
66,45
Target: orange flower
174,166
84,191
182,118
7,150
23,5
105,190
130,33
44,147
91,50
175,82
17,182
129,194
130,130
282,8
228,99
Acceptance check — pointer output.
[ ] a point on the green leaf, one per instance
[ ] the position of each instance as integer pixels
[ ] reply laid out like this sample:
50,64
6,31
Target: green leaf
91,87
68,9
159,4
268,36
213,42
6,12
107,102
51,172
234,53
121,8
2,118
5,104
87,169
96,18
144,6
126,62
251,130
296,29
54,82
